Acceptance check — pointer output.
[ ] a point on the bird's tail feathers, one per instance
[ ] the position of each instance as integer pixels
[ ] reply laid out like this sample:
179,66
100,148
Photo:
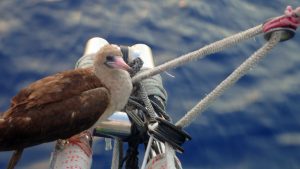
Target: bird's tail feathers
3,125
1,121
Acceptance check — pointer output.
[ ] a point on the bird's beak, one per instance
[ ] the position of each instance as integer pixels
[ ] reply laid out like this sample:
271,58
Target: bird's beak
119,63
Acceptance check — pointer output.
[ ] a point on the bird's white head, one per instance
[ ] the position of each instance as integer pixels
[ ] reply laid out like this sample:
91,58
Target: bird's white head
110,58
112,71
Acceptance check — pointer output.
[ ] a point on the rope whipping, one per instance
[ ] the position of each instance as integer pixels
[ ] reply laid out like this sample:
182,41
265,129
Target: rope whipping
229,81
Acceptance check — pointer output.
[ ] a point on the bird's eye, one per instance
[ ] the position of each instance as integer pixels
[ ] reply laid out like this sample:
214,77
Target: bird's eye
110,58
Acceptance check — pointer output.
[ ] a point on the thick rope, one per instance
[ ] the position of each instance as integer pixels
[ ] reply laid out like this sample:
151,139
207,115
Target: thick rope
144,96
200,53
229,81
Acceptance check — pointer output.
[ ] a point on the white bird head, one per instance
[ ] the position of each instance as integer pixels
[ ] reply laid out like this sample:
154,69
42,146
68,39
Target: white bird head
112,71
110,57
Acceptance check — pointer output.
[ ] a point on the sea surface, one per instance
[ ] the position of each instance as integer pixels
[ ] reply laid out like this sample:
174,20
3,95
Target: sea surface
253,125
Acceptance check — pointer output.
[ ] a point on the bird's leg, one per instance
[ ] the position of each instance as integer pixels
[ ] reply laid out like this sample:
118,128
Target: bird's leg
14,159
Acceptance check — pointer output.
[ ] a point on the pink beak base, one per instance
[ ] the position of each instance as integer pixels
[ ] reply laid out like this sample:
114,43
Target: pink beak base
120,63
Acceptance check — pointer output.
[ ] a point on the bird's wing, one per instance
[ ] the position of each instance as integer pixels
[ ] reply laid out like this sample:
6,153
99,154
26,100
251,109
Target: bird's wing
57,120
55,88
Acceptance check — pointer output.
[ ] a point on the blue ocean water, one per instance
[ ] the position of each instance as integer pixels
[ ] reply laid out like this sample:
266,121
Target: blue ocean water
254,124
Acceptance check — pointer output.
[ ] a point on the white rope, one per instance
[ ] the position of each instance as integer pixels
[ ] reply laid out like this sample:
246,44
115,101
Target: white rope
200,53
147,152
170,156
115,162
229,81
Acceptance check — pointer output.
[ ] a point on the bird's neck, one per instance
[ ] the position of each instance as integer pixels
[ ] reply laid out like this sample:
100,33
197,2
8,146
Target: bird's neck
119,86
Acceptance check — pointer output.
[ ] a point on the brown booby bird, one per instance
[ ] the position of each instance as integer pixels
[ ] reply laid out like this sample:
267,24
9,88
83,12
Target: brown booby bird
64,104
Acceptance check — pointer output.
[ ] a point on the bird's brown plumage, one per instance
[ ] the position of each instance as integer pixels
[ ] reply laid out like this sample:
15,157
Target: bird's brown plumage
54,88
59,106
52,104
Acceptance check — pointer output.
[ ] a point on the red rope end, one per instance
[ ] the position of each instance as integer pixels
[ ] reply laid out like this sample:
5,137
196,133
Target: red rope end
287,23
